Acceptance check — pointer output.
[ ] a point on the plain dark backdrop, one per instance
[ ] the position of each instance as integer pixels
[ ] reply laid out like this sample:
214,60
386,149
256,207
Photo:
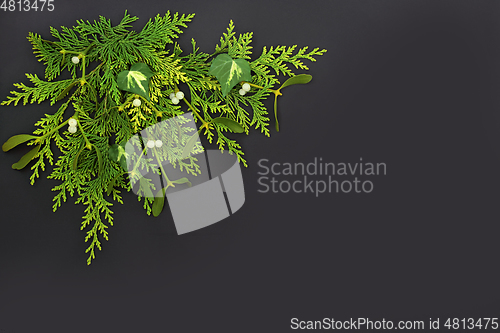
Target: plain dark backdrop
413,84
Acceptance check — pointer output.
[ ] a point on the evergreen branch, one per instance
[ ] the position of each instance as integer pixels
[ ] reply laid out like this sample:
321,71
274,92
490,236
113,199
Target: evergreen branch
94,54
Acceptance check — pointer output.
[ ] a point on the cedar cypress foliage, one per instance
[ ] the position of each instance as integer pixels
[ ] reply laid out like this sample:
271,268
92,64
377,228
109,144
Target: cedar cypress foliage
123,81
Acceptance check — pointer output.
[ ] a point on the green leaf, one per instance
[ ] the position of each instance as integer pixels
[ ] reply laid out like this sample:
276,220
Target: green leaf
159,202
189,146
66,91
297,79
145,187
111,184
229,71
182,180
26,158
135,80
117,154
75,161
229,123
17,140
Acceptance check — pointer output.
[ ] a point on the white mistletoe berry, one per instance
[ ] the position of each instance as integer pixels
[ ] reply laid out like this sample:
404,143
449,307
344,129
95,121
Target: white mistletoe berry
175,100
158,143
245,87
242,92
75,60
137,102
179,95
150,144
72,129
172,95
72,122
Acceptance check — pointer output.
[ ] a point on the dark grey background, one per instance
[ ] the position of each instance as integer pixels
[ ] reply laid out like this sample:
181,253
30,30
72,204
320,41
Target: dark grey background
414,84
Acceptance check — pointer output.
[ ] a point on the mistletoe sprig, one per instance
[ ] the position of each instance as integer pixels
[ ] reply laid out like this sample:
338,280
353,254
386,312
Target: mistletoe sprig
122,82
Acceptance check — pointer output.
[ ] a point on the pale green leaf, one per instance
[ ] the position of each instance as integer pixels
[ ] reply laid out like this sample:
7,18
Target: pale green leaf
297,79
26,158
17,140
229,123
135,80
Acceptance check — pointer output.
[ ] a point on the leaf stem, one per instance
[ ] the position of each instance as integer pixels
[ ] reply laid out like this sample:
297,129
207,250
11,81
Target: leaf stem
163,173
205,124
137,163
276,92
88,145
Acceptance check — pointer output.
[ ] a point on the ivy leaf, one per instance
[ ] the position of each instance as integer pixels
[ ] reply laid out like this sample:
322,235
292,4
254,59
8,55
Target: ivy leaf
229,71
26,158
229,123
135,80
117,154
17,140
297,79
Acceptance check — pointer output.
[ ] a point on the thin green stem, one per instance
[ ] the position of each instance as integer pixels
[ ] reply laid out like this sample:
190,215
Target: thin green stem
205,124
164,174
137,163
63,51
52,131
276,92
88,145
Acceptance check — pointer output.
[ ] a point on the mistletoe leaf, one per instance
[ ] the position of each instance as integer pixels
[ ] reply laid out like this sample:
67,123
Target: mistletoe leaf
159,202
26,158
66,91
229,123
189,146
117,154
182,180
75,161
17,140
135,80
297,79
229,71
111,184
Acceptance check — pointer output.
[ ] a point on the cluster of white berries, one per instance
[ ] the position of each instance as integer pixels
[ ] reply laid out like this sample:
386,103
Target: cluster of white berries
75,60
245,87
72,125
152,143
176,97
136,102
